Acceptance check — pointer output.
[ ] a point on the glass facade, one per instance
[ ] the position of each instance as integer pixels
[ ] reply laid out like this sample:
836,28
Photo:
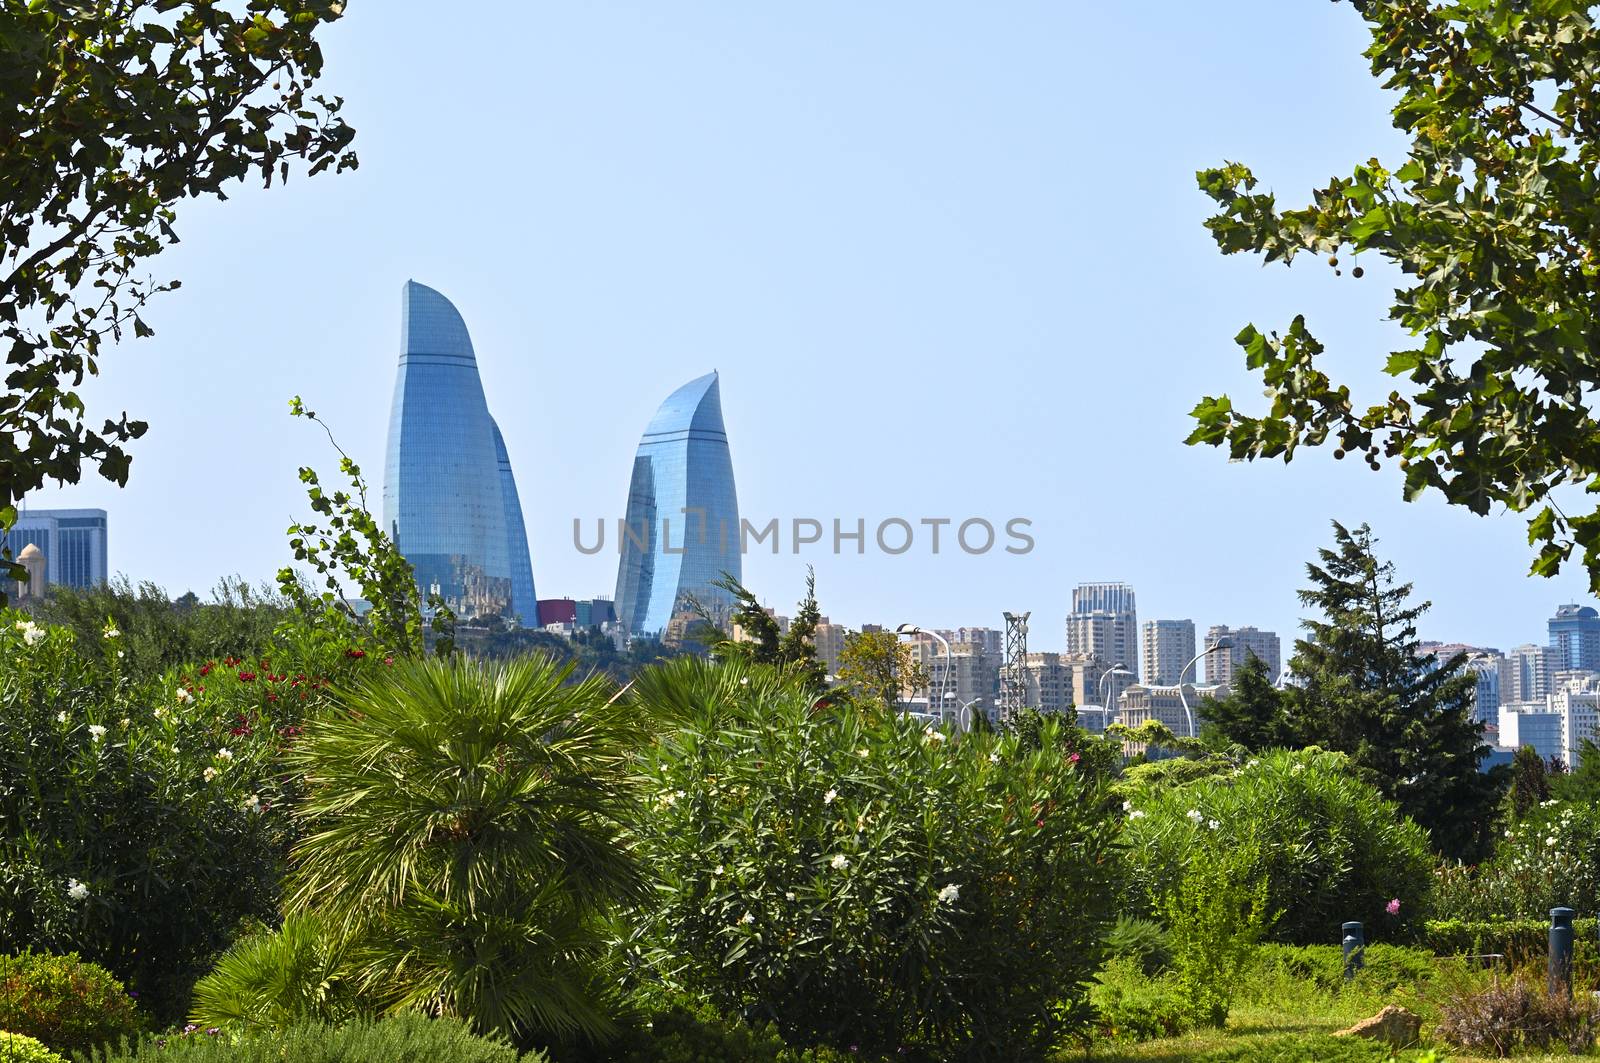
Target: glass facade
682,525
446,475
524,603
73,542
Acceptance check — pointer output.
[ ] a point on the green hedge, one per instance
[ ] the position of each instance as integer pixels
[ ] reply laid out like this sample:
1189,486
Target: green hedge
407,1039
20,1048
1512,937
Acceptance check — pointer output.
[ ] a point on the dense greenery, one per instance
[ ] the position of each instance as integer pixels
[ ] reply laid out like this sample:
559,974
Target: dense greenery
116,111
858,879
1329,847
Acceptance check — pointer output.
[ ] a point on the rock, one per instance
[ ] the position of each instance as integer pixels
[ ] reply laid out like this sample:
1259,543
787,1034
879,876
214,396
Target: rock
1394,1026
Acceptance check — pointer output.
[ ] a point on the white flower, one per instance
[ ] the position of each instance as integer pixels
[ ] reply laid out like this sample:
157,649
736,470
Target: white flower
839,862
789,896
1213,824
252,803
1297,769
934,736
1252,763
125,722
829,797
209,774
96,731
745,681
949,893
1136,814
184,696
862,753
120,654
717,870
61,717
1194,815
224,753
1549,841
1127,806
160,712
32,633
747,919
111,631
76,890
994,758
667,800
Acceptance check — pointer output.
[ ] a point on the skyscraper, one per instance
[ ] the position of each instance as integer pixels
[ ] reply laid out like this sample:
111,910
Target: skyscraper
1168,646
682,524
1247,642
1105,623
73,542
449,499
1575,638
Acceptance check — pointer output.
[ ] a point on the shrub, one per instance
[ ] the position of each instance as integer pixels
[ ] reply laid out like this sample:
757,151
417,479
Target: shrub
466,835
1141,941
688,1033
1549,859
140,822
1330,847
275,979
864,881
66,1003
20,1048
1385,967
1217,909
1319,1048
1130,1006
404,1039
1517,1013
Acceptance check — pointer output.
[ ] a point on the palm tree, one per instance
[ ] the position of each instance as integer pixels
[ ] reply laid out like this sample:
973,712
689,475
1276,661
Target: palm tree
465,828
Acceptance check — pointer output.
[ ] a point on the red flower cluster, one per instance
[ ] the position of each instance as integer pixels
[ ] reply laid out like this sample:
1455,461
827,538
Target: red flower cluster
355,654
247,677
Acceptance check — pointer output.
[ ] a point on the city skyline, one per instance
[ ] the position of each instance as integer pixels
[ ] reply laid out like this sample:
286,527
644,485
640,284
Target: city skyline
894,271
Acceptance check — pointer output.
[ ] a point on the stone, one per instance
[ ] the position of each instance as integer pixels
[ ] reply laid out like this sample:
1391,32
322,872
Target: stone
1394,1026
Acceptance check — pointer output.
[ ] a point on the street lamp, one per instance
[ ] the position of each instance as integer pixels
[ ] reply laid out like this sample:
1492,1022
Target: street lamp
1116,670
1224,643
944,680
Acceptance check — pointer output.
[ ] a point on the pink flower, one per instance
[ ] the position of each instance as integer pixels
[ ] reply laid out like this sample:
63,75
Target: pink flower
1393,907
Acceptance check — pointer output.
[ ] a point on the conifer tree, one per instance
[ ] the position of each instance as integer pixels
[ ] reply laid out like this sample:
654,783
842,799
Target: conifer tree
1368,691
1253,714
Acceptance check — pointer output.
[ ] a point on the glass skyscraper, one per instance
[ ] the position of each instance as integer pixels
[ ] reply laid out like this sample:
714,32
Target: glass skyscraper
682,524
449,498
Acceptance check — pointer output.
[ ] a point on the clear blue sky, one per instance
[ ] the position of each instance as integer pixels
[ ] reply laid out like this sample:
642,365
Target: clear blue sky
947,257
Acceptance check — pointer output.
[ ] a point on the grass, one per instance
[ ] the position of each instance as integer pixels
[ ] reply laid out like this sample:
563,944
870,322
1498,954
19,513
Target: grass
1280,1000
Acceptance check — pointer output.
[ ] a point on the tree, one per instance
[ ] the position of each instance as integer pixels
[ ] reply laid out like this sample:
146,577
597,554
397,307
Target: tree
1491,221
759,638
466,835
875,666
1253,714
1530,783
112,112
1402,717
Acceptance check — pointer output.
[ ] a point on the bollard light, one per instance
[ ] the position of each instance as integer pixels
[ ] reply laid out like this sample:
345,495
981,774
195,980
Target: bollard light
1355,948
1561,951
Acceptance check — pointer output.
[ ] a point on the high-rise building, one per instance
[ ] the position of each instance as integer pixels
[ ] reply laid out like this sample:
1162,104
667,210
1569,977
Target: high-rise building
1179,708
73,542
449,499
1527,674
1246,642
1104,623
1168,647
970,677
1047,684
682,524
829,642
1095,681
991,639
1575,638
1486,696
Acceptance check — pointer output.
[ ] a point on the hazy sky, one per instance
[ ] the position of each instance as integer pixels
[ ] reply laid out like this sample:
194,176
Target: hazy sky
948,258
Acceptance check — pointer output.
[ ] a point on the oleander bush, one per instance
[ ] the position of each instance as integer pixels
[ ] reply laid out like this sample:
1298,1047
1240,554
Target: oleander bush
67,1004
861,880
403,1039
141,822
1330,847
1549,859
20,1048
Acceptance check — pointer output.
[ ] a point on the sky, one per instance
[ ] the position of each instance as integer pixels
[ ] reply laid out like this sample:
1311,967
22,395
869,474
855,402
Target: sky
949,260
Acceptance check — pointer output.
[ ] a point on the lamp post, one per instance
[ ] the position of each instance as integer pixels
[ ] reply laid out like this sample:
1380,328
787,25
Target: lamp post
1224,643
1114,670
944,680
